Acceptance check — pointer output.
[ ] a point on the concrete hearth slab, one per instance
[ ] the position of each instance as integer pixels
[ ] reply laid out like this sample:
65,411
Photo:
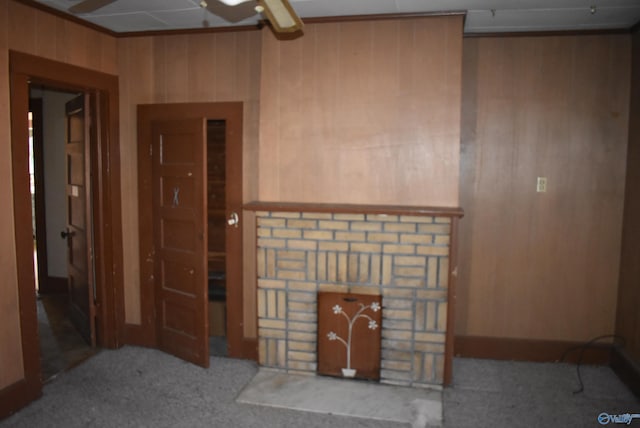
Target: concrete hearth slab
416,406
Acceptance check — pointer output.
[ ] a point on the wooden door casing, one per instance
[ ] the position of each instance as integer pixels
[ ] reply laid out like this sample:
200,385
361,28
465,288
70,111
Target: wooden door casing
180,231
26,70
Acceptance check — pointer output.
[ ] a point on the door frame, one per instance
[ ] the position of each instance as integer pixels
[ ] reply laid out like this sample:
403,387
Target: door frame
25,69
232,113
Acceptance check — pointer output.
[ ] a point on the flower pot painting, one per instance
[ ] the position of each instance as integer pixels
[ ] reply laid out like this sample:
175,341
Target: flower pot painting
361,314
349,372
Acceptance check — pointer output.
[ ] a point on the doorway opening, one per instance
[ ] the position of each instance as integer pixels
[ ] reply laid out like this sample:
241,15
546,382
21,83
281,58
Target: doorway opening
26,70
62,345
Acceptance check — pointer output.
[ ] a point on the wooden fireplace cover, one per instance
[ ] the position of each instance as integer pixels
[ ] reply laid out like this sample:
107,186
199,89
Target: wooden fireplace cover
336,311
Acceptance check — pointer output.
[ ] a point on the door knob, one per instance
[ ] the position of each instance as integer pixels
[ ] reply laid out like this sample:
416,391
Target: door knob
233,219
66,234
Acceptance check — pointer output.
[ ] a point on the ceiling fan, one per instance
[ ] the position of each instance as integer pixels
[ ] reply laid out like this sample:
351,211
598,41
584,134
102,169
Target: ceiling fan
279,12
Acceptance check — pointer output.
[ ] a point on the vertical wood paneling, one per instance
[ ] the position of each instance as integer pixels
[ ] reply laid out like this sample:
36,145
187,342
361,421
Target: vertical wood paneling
386,60
249,69
76,45
628,314
38,33
201,62
46,45
542,265
362,112
159,70
21,26
10,338
225,76
269,118
355,63
137,86
135,58
176,66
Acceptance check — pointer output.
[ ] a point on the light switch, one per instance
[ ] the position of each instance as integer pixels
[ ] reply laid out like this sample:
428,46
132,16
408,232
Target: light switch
541,185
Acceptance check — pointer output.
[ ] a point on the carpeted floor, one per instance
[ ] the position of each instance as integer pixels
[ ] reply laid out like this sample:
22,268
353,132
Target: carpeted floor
136,387
488,393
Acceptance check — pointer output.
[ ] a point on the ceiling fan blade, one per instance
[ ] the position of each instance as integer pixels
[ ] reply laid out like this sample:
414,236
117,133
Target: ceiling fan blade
88,6
282,16
242,11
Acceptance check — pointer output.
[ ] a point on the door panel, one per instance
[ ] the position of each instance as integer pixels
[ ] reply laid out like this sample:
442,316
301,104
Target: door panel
78,233
180,228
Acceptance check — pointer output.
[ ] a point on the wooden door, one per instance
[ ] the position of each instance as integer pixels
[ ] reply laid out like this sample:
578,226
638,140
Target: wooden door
79,218
241,309
178,154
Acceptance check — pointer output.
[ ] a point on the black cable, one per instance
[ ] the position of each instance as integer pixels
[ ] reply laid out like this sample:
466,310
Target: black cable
586,345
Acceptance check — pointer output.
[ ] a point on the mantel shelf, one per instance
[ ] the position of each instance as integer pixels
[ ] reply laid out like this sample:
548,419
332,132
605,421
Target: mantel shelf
354,209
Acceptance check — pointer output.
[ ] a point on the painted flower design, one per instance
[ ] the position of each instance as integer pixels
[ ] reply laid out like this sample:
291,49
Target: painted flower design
346,341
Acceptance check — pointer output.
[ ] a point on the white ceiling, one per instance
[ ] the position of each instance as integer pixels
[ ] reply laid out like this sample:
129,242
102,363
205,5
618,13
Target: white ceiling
482,15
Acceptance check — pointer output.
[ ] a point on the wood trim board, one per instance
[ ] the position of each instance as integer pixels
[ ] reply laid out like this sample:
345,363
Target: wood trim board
627,370
354,209
497,348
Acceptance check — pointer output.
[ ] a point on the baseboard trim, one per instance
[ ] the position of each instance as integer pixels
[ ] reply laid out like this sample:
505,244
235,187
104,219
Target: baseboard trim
135,335
528,350
250,349
627,369
16,396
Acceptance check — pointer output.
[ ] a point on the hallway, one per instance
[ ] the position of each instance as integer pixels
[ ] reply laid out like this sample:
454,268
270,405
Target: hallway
61,346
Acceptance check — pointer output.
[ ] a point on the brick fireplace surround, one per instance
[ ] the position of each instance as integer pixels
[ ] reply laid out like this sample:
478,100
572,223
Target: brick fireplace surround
404,254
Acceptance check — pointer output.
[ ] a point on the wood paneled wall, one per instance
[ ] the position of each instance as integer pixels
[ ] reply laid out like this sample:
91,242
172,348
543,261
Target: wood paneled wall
38,33
11,349
31,31
542,265
628,315
362,112
212,67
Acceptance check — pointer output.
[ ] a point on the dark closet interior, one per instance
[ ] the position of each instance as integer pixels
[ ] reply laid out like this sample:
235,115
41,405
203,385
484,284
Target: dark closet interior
216,234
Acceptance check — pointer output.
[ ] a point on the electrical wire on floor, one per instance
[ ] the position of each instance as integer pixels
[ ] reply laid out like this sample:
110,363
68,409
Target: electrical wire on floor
621,342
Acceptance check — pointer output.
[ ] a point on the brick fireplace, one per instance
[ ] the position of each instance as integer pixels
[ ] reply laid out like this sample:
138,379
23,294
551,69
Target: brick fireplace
404,254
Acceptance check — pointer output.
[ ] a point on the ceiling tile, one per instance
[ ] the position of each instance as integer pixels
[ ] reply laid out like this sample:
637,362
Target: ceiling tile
128,6
510,15
187,19
140,21
315,8
550,19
